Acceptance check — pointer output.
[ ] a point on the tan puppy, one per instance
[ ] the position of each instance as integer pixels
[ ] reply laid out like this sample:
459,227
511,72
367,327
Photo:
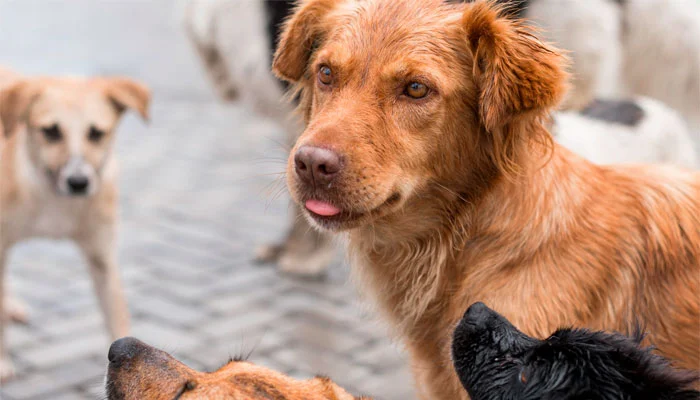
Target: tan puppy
426,139
138,371
59,177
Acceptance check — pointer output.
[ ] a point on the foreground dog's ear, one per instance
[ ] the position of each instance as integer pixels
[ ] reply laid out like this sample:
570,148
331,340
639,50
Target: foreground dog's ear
126,93
515,72
298,38
14,104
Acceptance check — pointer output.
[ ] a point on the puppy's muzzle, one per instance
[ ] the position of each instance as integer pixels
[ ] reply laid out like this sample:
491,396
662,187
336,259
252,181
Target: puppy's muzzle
77,178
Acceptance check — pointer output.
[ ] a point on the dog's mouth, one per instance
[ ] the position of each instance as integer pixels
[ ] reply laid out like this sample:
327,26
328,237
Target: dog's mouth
330,216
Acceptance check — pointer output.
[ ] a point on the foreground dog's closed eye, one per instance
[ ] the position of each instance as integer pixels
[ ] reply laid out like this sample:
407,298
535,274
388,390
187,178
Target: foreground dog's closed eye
138,371
494,360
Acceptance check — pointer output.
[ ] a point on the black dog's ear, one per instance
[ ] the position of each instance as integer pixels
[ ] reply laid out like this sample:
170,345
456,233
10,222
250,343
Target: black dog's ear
299,34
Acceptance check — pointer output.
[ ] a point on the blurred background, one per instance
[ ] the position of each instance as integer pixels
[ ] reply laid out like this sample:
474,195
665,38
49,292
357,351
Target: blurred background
199,191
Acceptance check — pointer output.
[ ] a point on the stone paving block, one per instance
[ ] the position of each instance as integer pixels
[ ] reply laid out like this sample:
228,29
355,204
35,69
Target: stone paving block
240,325
166,337
28,386
165,309
48,354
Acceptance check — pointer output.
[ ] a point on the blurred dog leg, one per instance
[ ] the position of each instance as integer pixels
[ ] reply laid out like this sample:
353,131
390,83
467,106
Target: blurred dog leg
15,310
7,369
304,251
99,250
590,31
233,41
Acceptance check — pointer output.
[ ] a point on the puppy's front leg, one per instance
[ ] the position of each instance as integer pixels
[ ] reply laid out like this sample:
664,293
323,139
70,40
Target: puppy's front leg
6,368
100,252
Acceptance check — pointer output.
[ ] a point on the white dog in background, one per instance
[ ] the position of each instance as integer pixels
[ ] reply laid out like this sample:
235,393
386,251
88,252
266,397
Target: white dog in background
622,48
643,130
618,47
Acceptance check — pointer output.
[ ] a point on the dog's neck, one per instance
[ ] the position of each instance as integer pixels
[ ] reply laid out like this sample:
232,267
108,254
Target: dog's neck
426,249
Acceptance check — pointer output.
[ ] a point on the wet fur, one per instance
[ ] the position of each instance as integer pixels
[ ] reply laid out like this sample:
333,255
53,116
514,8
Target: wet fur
496,361
464,197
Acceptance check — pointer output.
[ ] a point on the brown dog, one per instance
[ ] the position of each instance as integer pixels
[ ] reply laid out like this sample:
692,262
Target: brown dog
59,177
138,371
425,139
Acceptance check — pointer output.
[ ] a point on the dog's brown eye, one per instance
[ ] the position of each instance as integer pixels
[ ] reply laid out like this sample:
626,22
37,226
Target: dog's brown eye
416,90
325,75
522,377
52,133
95,135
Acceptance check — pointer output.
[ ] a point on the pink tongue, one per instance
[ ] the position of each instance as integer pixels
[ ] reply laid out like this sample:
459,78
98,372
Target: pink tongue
322,208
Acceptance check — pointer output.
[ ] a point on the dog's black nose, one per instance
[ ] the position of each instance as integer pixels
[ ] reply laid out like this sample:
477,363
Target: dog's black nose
478,314
124,349
78,184
315,165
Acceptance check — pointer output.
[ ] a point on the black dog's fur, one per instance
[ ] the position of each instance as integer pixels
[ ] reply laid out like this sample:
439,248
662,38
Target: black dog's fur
494,360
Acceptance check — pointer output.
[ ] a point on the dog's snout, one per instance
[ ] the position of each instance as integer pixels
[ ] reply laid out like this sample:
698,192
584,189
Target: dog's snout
124,349
78,184
478,314
316,165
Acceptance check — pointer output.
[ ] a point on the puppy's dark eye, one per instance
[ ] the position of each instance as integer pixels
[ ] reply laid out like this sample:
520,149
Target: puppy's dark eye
95,135
416,90
325,75
52,133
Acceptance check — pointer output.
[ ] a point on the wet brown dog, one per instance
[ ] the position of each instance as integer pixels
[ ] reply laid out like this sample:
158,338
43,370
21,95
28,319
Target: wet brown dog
426,140
139,371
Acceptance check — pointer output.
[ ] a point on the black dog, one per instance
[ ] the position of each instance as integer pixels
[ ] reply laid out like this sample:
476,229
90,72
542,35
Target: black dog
494,360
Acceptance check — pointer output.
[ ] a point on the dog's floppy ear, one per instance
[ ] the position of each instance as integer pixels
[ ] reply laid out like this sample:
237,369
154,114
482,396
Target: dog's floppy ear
515,72
299,37
126,93
15,102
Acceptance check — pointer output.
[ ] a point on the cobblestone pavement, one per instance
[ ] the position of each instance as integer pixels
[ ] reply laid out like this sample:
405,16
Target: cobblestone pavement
198,193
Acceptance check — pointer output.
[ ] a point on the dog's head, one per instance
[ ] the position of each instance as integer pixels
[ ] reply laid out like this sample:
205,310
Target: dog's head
138,371
494,360
404,97
70,125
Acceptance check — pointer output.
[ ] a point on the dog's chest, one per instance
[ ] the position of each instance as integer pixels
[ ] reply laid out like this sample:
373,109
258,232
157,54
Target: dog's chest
59,219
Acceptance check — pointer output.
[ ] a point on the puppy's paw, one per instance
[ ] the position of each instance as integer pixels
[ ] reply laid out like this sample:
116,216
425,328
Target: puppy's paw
7,369
16,310
307,263
268,253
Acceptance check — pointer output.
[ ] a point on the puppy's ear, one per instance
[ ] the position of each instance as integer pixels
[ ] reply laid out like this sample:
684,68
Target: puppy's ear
298,38
515,72
15,102
126,93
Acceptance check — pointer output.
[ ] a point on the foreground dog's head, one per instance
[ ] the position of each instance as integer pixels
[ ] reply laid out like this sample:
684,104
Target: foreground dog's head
70,125
138,371
494,360
407,96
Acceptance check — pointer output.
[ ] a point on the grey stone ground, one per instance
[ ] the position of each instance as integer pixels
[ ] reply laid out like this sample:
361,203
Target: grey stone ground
198,193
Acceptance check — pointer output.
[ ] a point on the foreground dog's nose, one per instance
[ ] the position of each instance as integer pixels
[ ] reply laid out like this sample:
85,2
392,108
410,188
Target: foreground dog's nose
124,349
78,184
316,165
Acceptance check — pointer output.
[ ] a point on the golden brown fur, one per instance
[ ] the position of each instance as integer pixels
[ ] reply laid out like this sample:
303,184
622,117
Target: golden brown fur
461,196
147,373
